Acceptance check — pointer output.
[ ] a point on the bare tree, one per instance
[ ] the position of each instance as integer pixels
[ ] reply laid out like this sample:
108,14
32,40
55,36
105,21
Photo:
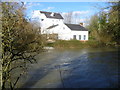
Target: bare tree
76,18
0,47
21,42
68,17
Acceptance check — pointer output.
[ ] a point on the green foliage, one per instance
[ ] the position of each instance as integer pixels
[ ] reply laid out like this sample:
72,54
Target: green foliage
66,44
74,44
105,26
114,22
93,27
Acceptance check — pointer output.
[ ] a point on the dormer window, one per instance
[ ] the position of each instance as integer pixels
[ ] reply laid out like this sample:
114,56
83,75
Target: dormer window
52,14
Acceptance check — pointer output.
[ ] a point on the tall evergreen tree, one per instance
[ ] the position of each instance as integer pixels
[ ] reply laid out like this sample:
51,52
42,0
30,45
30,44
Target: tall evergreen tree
105,26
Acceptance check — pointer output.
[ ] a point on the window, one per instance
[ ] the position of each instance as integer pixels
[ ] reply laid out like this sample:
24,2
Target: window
42,19
84,37
79,37
63,27
74,37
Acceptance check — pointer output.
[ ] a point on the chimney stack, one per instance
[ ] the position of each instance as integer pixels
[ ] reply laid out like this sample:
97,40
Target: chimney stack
81,24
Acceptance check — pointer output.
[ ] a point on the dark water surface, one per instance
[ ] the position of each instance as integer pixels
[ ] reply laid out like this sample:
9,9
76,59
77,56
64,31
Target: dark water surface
84,68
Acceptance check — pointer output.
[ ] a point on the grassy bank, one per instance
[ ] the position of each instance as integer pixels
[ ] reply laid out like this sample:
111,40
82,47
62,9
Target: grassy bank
76,44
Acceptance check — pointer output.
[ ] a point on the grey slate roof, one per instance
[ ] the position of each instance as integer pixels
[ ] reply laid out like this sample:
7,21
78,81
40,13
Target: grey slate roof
48,15
76,27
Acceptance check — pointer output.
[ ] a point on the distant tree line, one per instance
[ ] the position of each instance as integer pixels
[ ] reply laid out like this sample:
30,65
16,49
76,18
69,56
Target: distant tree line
104,26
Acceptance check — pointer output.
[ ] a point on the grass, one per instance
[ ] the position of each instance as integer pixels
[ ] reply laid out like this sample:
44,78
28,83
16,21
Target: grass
75,44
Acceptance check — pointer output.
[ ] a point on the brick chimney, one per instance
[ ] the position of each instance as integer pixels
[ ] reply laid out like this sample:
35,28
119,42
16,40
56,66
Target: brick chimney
81,24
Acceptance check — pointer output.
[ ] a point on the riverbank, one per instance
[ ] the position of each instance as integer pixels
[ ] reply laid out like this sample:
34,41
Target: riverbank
71,44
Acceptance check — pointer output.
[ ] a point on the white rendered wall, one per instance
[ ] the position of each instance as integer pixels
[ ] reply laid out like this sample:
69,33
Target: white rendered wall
64,33
47,22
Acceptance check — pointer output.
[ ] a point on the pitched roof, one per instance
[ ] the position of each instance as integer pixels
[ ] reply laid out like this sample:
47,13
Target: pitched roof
52,26
76,27
55,16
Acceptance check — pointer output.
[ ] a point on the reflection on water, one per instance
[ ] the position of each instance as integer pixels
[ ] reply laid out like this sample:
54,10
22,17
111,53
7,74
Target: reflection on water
85,68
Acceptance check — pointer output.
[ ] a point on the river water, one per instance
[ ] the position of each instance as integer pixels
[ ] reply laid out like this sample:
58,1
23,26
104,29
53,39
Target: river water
83,68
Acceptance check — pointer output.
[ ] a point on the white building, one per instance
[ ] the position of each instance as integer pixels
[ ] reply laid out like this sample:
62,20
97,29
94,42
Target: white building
52,23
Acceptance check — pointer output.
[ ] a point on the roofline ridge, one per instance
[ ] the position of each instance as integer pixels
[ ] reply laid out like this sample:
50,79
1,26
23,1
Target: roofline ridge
71,24
50,12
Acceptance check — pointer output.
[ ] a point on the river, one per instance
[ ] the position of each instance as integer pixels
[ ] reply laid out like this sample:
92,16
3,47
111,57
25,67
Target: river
82,68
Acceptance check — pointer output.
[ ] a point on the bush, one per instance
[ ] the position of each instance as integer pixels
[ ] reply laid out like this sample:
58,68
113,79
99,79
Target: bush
75,44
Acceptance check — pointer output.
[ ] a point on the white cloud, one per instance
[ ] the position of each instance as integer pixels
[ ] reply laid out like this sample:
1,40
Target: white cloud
76,12
78,20
80,12
31,4
48,8
82,20
77,16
